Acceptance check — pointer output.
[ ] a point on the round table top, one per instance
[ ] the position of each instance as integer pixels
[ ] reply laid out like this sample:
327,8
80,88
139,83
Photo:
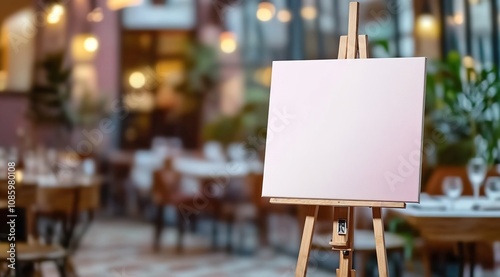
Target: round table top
52,181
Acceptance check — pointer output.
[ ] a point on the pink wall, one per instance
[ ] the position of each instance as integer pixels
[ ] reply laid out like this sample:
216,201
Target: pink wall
12,111
13,108
107,59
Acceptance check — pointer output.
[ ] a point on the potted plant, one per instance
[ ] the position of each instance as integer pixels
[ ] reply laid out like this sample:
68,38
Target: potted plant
462,121
243,127
49,103
463,106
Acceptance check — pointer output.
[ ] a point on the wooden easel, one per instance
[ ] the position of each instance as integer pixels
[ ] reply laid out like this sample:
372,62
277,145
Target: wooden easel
351,46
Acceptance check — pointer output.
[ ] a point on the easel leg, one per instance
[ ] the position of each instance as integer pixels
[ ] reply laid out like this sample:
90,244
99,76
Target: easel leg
344,242
305,244
378,229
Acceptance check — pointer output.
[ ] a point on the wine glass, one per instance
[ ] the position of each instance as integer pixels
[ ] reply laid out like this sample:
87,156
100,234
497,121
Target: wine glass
175,146
452,188
476,171
160,146
213,151
30,165
236,151
492,188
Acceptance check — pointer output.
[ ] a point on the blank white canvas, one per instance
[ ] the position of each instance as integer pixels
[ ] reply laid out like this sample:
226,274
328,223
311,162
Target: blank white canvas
345,129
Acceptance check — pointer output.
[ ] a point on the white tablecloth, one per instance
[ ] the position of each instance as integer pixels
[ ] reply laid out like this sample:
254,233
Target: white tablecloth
202,168
463,207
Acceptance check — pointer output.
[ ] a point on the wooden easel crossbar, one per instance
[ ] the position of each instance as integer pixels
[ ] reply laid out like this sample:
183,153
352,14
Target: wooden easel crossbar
351,46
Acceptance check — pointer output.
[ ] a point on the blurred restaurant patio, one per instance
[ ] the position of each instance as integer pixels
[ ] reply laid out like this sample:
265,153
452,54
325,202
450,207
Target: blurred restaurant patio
135,132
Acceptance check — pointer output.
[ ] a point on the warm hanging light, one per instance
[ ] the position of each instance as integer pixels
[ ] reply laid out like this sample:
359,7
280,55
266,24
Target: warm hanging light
120,4
284,16
137,79
265,11
55,14
52,19
84,47
458,19
228,42
57,9
91,44
96,15
309,12
427,24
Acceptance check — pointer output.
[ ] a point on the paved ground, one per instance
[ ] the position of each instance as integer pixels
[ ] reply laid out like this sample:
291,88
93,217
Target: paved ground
123,249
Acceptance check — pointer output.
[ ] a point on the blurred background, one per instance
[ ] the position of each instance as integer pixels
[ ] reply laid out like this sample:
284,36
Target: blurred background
138,130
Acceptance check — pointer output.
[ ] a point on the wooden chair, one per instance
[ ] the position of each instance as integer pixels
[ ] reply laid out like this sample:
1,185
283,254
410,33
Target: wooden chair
58,204
88,203
237,205
120,165
166,191
66,205
32,251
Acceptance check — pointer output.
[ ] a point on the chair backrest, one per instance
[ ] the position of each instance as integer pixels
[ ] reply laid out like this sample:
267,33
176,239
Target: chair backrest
25,194
89,197
166,182
68,200
120,164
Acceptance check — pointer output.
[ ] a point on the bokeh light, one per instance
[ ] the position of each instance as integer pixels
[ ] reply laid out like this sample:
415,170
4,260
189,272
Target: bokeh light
137,80
91,44
228,42
266,11
309,13
284,16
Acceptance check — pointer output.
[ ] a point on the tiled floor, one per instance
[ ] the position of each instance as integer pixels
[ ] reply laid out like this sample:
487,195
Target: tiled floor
123,249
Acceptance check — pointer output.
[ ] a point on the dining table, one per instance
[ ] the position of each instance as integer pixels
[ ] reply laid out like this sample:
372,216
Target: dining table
221,182
45,193
59,200
198,171
465,221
